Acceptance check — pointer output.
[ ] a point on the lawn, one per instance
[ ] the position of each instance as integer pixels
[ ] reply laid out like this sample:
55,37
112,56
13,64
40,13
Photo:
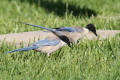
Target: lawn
88,60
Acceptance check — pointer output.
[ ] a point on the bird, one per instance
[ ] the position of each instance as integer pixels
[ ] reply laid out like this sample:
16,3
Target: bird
47,45
69,34
64,35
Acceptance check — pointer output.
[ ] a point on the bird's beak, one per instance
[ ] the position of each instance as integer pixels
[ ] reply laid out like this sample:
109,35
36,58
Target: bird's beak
95,33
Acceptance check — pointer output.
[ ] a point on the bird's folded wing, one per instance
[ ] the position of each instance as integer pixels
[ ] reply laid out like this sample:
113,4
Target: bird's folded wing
49,45
47,42
69,29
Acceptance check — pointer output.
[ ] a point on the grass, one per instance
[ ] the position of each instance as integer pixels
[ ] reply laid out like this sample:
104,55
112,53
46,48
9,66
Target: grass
88,60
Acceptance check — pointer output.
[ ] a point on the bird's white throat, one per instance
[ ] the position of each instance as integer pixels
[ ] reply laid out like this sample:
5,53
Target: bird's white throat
85,30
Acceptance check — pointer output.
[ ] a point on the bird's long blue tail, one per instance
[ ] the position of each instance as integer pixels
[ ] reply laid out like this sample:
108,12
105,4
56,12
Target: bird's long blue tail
52,30
22,49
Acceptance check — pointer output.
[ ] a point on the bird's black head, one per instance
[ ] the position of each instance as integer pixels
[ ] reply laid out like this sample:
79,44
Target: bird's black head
91,28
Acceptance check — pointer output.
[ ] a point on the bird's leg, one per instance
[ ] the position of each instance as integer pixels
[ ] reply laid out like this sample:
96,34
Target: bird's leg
72,45
48,54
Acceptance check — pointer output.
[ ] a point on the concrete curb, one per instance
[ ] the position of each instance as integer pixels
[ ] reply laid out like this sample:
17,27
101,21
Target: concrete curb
26,37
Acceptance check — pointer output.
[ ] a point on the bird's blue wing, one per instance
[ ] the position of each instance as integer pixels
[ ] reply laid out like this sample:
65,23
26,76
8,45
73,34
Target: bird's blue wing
68,29
47,42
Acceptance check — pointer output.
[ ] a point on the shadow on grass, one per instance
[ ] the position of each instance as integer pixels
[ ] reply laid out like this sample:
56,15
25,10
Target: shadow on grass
59,8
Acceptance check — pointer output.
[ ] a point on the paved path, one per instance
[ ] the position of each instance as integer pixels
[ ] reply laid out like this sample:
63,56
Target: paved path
32,36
